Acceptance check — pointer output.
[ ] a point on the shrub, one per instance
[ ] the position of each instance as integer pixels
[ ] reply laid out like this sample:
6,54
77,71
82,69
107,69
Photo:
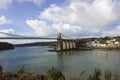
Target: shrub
54,74
21,70
1,69
96,75
108,75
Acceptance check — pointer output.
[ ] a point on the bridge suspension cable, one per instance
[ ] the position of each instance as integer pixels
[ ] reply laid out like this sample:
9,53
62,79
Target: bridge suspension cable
66,36
15,36
49,35
12,34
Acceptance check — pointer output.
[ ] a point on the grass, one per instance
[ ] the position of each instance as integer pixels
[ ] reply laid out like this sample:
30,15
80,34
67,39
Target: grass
54,74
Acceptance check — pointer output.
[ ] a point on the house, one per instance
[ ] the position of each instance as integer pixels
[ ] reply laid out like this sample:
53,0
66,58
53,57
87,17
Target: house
109,43
112,42
95,43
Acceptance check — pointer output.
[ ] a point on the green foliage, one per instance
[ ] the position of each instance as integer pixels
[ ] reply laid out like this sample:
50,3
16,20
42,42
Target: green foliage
82,73
108,75
21,69
32,72
96,75
54,74
1,68
116,77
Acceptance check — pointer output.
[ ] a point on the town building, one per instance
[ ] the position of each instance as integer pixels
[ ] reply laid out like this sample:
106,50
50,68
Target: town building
109,43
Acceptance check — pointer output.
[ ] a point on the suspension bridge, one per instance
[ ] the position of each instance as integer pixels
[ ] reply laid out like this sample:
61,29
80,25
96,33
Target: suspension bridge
61,45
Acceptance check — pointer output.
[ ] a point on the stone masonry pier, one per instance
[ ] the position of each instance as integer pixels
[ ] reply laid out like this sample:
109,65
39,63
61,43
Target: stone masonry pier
64,44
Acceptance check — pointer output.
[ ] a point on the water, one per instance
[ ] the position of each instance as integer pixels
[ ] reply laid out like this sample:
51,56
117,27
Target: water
40,59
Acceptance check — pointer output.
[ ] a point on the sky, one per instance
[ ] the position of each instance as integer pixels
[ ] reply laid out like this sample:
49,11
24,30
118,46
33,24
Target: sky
75,18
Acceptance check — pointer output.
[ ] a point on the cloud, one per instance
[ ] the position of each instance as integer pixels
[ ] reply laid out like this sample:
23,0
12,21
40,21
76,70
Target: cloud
43,28
93,15
5,3
10,30
38,2
4,20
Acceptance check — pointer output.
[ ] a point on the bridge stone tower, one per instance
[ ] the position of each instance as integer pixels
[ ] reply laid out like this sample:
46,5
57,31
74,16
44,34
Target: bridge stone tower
59,45
64,44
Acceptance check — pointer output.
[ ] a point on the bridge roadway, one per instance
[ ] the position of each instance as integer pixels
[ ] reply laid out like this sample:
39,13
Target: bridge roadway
25,38
30,38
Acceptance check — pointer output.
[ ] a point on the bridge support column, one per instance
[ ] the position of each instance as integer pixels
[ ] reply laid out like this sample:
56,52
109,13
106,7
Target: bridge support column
74,44
71,45
68,45
64,45
59,45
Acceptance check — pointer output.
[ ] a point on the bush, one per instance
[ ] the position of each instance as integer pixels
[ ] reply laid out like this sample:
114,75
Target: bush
108,75
54,74
1,69
21,69
96,75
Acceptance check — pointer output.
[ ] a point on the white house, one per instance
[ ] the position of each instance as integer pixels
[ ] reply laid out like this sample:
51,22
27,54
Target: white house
112,42
96,43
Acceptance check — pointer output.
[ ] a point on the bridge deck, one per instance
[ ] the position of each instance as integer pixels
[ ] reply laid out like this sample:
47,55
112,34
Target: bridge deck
30,38
25,38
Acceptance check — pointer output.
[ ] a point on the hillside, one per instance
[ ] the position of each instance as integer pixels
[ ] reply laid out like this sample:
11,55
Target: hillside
82,42
36,44
6,46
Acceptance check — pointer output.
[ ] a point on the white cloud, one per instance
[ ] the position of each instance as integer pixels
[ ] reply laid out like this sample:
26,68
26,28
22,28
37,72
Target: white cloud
95,15
34,1
11,31
5,3
3,35
4,20
42,28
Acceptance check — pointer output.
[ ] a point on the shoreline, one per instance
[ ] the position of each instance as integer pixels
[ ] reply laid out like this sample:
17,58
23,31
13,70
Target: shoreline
6,46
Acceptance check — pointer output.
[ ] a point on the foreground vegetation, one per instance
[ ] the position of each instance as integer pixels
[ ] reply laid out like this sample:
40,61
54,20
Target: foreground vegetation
54,74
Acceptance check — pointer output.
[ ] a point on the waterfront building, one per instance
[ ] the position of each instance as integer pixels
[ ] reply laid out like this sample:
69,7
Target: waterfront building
109,43
112,42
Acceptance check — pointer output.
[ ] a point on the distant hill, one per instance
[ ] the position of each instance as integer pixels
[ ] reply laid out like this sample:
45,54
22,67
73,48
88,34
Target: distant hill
82,42
36,44
6,46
